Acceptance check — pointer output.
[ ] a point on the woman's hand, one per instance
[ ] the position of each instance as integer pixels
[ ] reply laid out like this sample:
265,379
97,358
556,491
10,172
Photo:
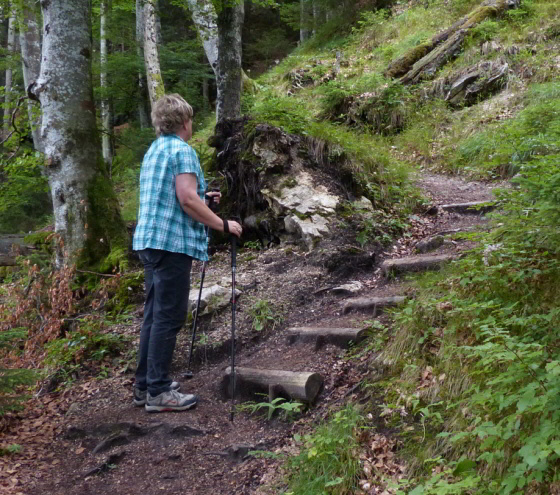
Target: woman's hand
213,197
234,228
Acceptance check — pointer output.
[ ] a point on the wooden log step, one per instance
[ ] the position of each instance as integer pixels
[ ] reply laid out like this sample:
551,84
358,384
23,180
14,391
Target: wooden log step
374,304
415,264
324,335
303,386
472,208
7,260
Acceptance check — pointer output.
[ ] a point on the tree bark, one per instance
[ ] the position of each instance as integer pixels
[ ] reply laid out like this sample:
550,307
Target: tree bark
151,56
86,213
142,115
323,335
105,107
302,386
422,61
205,19
30,43
10,50
229,80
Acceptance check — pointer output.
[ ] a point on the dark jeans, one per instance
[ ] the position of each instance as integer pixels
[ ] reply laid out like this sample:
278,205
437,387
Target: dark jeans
167,278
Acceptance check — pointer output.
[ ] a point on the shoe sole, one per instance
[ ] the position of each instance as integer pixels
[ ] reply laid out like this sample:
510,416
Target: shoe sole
169,408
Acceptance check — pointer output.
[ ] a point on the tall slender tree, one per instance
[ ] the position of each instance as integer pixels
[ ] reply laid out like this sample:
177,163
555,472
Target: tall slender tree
205,19
305,14
11,46
86,213
230,79
151,55
142,115
30,43
105,105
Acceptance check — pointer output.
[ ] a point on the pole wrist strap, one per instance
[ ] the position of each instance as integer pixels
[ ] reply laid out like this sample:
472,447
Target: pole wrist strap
226,226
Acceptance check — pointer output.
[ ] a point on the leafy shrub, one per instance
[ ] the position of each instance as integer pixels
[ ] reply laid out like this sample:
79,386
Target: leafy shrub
286,409
12,379
264,316
25,202
491,323
328,462
88,343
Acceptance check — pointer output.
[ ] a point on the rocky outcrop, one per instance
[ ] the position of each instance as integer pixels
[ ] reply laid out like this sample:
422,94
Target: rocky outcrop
468,86
282,185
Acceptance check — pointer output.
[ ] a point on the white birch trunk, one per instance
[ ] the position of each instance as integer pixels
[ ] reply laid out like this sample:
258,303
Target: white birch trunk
11,45
142,115
205,19
69,133
151,56
30,43
105,109
229,80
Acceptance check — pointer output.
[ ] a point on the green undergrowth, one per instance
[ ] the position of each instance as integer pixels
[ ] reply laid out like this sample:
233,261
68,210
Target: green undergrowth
90,345
12,381
328,460
476,355
503,150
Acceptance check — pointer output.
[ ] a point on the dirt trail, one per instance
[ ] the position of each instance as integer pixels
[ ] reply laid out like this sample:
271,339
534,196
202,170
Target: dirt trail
191,452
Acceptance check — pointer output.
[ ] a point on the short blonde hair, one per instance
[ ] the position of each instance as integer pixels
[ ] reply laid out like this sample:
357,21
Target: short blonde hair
169,114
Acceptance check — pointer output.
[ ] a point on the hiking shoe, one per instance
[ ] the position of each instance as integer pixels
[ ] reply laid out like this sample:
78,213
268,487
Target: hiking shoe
170,401
140,395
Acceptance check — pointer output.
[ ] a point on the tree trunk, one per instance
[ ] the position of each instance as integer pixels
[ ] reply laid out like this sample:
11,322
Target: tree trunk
30,42
230,80
151,56
142,115
205,19
8,84
302,386
422,61
86,213
305,14
205,89
105,108
319,16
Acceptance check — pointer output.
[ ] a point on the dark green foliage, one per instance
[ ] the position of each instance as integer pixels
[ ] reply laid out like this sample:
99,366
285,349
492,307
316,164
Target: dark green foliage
25,202
88,345
12,379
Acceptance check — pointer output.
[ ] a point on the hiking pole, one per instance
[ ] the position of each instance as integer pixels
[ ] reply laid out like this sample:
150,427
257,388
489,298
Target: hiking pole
233,270
189,374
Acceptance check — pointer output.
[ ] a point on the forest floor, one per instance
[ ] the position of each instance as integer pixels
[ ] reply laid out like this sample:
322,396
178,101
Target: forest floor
91,439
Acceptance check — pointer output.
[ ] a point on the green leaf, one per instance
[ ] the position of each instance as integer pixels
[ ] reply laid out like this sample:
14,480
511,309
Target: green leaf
464,466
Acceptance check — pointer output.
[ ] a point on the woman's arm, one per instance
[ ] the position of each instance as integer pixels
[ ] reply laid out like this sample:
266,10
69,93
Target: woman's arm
194,207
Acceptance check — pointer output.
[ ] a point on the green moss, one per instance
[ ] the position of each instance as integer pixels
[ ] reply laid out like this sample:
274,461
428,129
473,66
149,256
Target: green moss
403,64
478,15
107,244
129,293
39,240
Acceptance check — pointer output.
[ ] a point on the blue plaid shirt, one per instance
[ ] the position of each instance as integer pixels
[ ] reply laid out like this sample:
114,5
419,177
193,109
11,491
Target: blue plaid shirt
162,223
